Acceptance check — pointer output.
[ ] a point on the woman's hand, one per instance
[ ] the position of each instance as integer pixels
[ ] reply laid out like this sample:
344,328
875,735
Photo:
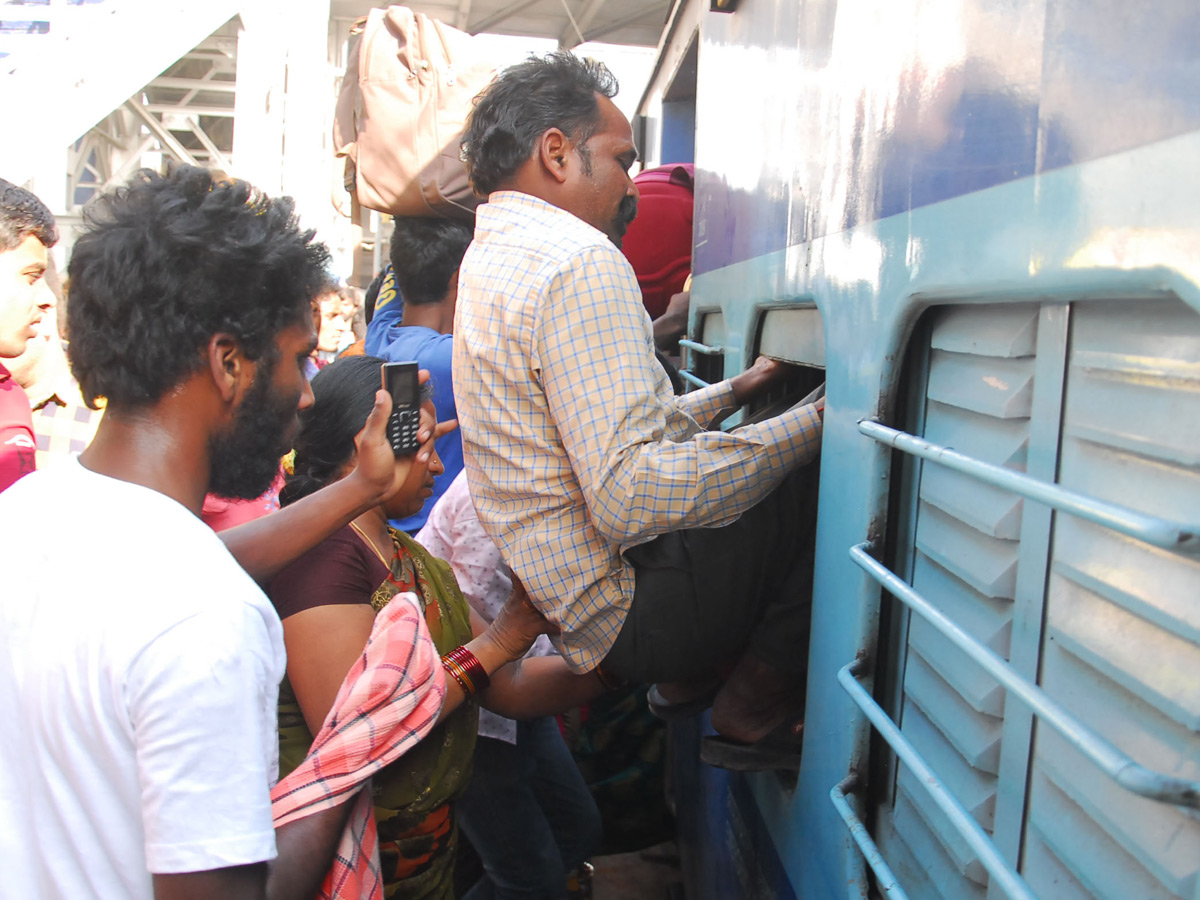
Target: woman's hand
507,639
517,625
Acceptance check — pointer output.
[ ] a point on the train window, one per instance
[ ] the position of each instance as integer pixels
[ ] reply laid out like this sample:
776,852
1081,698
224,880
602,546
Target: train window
1101,398
707,355
796,336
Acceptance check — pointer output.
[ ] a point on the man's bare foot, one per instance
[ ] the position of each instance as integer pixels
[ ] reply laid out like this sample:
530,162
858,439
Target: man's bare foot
756,699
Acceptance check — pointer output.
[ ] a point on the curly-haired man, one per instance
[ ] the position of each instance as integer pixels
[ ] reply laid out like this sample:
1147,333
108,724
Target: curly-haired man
140,663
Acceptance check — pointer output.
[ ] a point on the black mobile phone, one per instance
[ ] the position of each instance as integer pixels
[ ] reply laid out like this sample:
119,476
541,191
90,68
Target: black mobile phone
400,380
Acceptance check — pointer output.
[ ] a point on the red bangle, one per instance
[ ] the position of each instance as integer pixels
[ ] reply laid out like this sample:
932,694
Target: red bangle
467,670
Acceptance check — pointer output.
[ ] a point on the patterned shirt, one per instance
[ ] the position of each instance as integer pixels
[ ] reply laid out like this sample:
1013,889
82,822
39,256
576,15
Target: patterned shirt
62,423
575,446
452,533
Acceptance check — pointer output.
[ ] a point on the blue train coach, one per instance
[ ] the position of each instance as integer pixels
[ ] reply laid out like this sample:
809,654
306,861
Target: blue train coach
979,221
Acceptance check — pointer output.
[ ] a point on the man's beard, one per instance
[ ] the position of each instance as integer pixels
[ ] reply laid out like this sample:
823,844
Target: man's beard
244,461
626,213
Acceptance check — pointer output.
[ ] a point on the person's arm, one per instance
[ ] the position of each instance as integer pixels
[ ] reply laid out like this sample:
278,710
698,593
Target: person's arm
266,545
305,852
324,641
711,404
505,640
600,383
526,688
388,314
538,686
671,325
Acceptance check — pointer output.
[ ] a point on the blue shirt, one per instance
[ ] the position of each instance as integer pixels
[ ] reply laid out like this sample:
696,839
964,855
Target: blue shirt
388,339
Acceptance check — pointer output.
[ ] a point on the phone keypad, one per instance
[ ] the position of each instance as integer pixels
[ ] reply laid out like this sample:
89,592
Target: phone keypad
402,430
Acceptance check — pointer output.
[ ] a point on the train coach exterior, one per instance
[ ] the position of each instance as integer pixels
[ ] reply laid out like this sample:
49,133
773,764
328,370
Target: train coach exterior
981,222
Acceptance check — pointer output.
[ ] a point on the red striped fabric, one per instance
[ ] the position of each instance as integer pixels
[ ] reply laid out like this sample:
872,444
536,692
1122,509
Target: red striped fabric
389,701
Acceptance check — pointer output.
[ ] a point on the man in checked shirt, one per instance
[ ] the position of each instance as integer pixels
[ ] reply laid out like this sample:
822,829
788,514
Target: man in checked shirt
663,551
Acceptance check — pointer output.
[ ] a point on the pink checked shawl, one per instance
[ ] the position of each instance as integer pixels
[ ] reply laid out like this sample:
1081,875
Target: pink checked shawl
389,701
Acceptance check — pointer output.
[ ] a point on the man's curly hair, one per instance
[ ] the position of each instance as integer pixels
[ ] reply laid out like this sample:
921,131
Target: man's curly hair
167,262
557,90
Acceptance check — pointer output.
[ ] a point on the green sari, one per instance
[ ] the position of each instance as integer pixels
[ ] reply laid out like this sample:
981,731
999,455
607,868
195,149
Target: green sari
417,833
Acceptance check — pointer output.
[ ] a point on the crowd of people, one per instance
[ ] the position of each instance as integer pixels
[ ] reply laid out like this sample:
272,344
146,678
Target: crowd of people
250,651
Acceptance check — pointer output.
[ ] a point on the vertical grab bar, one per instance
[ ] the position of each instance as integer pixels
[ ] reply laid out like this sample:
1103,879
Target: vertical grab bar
697,347
885,880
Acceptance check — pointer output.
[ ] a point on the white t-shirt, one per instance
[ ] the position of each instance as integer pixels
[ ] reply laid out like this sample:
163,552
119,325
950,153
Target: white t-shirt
139,675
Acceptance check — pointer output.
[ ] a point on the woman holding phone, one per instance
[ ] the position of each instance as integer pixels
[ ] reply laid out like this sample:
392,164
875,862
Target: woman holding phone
328,600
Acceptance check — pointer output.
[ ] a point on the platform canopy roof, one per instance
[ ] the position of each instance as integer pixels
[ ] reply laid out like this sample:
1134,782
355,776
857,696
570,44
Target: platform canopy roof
570,22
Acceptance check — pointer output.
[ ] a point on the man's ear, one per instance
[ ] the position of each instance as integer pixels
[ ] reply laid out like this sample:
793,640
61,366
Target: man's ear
553,150
228,365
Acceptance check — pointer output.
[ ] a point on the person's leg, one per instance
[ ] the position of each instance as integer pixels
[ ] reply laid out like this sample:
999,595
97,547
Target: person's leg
561,791
504,821
705,593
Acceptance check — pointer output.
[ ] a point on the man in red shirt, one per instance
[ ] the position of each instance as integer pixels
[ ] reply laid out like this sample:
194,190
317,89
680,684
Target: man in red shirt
27,231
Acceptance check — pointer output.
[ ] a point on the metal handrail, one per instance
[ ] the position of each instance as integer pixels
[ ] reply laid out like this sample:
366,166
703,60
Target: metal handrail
692,379
1118,765
701,348
885,880
1008,880
1153,530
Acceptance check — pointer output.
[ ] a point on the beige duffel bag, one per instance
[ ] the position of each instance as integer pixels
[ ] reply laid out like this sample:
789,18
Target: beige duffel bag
409,84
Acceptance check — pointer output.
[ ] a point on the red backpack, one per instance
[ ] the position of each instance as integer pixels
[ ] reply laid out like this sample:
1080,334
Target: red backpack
658,243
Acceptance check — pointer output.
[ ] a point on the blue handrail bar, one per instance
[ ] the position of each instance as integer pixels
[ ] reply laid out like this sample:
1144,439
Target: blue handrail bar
692,379
1008,880
701,348
885,880
1118,765
1153,530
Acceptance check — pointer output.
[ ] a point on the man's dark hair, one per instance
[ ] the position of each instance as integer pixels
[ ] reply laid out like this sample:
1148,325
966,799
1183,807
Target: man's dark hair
23,214
167,262
557,90
372,293
425,255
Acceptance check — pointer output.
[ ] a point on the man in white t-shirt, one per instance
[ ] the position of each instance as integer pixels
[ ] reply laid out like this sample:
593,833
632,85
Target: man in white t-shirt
139,663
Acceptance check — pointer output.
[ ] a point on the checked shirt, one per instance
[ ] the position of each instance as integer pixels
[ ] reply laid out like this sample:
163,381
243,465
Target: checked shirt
575,446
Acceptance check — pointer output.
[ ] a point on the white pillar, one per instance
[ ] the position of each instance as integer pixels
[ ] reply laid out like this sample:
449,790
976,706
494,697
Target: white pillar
259,103
308,156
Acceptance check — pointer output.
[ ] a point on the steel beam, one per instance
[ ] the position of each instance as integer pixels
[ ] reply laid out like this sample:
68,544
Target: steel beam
214,152
156,128
506,13
189,110
578,26
194,84
463,14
